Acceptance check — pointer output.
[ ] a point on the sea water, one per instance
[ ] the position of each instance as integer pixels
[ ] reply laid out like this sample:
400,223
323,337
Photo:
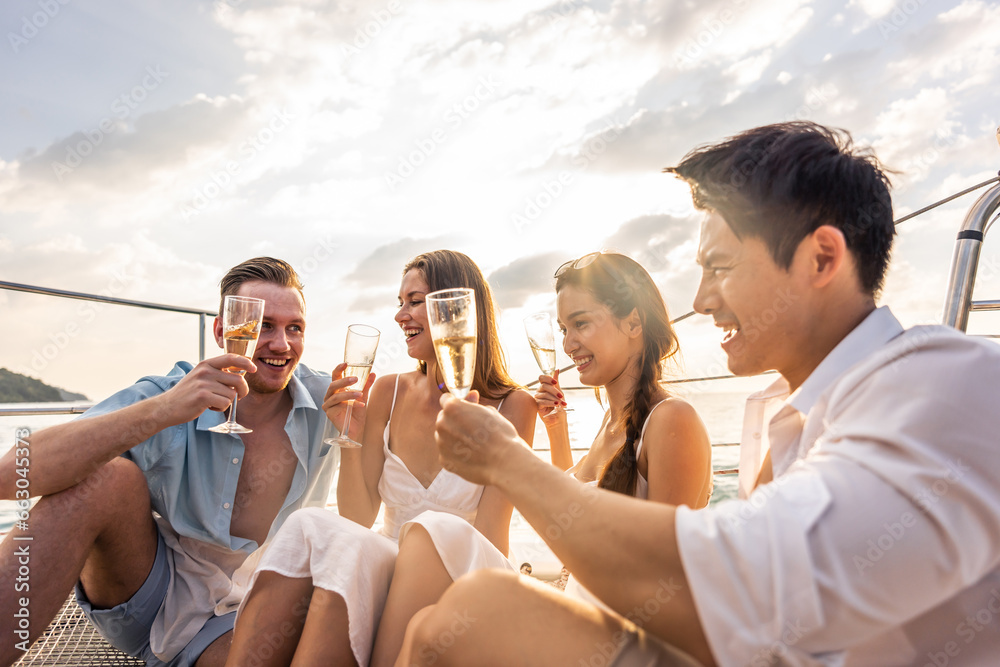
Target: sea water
721,412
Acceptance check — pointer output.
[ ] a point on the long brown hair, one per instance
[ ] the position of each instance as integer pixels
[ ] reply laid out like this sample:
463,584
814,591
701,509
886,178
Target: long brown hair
447,269
622,285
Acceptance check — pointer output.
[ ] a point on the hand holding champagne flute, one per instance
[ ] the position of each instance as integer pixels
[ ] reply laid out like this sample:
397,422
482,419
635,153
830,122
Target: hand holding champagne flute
241,320
542,338
359,355
451,314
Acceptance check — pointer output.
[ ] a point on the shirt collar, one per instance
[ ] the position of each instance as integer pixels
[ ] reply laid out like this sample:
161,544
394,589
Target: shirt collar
876,330
301,398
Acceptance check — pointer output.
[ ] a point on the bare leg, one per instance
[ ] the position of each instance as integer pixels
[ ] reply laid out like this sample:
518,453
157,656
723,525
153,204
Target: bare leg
325,639
100,532
418,581
404,659
491,617
270,624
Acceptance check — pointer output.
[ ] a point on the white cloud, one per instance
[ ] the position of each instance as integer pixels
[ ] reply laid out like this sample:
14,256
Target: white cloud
62,244
873,8
749,70
601,96
912,132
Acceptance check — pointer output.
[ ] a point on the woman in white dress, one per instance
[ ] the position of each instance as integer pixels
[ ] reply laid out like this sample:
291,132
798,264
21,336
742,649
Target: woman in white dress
327,583
650,445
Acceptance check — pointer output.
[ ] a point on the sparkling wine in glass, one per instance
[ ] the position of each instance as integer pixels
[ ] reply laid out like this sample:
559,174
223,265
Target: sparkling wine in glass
359,354
241,320
451,314
540,330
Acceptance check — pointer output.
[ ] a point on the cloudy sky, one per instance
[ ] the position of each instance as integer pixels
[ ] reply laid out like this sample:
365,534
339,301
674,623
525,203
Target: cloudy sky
147,147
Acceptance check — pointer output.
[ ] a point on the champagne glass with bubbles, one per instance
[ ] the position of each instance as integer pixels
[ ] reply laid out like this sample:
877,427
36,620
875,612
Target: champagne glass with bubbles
359,355
241,319
540,330
451,314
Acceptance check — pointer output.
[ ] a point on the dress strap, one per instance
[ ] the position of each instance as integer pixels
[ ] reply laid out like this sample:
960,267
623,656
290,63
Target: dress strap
392,407
642,436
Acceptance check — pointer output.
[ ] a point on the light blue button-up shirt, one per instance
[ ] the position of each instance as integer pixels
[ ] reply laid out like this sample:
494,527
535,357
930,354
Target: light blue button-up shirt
192,472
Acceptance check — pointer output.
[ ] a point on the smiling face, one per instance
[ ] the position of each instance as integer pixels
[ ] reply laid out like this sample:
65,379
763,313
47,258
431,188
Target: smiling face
594,338
761,306
282,335
412,315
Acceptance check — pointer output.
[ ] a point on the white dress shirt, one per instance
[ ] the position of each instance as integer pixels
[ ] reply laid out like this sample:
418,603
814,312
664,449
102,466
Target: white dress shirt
878,543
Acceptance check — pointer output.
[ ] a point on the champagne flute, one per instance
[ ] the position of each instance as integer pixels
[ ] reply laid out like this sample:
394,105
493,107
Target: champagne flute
542,338
241,320
451,314
359,355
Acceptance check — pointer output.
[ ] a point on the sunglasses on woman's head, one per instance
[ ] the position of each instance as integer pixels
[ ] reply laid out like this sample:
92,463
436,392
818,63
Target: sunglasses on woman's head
580,263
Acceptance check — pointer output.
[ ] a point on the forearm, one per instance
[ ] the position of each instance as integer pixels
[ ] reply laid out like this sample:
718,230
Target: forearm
599,535
354,501
64,455
624,550
559,445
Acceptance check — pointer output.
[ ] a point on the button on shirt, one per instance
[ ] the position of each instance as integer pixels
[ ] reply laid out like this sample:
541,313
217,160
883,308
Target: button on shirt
878,543
192,475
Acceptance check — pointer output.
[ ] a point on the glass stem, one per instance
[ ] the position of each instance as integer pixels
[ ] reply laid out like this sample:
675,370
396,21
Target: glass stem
347,421
232,412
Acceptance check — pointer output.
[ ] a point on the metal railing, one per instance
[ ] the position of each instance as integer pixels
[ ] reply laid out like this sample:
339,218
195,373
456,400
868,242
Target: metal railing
46,411
97,298
958,301
83,296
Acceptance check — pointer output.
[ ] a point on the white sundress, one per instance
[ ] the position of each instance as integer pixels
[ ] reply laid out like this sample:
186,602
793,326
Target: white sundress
357,563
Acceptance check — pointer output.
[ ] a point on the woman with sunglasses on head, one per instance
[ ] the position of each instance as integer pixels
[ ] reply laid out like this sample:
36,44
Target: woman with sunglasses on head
650,445
323,585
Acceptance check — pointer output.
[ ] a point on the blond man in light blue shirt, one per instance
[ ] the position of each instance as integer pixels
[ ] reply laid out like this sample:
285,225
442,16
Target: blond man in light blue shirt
151,582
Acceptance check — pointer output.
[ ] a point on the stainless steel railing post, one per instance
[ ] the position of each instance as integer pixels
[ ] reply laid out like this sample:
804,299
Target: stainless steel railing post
958,300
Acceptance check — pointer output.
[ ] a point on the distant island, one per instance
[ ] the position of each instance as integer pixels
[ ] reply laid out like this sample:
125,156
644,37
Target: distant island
17,388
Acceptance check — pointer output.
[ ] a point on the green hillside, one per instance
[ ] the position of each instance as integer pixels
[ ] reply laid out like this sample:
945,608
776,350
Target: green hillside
17,388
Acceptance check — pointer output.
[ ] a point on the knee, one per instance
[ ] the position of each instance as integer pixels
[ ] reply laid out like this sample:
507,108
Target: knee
119,480
309,521
299,521
433,636
488,583
415,540
472,596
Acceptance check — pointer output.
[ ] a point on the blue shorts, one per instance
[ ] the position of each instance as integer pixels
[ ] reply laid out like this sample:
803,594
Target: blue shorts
127,626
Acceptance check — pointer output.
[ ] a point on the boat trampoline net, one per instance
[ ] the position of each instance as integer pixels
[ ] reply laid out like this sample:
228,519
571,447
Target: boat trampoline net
71,641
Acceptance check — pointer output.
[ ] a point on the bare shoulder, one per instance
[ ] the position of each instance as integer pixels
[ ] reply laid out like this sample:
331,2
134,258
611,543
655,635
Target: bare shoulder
675,421
518,402
519,408
380,396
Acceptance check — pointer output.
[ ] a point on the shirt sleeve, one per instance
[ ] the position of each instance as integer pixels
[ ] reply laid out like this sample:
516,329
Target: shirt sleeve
809,565
144,454
895,511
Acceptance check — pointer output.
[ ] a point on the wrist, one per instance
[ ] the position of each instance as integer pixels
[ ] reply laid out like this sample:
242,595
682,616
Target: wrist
160,414
509,464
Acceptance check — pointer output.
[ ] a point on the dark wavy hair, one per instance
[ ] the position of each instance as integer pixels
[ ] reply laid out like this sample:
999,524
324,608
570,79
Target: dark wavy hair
622,285
778,183
447,269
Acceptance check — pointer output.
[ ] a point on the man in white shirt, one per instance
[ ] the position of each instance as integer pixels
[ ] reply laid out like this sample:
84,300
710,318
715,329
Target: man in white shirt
878,540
